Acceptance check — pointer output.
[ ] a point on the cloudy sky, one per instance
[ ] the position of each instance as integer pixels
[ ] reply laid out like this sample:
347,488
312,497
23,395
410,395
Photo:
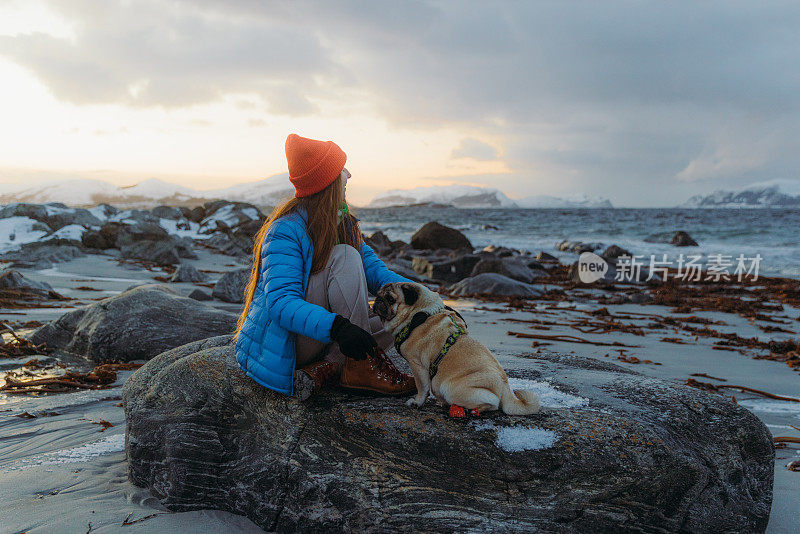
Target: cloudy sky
645,103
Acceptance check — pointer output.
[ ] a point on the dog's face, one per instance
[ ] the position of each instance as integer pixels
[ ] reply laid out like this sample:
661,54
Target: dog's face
397,303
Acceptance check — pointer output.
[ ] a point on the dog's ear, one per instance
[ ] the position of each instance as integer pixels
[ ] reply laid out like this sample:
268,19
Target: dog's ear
410,294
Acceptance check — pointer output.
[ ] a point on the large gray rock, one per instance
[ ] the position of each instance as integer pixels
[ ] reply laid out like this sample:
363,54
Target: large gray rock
223,215
43,254
493,284
448,270
137,324
15,280
682,239
187,273
641,455
512,267
231,285
433,236
229,245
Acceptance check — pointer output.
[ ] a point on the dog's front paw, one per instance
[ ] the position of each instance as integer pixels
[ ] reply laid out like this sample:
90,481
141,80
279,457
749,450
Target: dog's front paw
413,401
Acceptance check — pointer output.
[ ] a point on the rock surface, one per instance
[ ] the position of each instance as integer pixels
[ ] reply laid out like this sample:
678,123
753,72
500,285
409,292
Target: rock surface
493,284
231,285
137,324
613,451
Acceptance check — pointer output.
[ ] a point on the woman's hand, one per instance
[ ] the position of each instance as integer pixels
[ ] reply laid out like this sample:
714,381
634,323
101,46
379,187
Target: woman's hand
354,341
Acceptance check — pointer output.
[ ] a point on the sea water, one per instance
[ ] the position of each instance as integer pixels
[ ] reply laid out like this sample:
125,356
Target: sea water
772,233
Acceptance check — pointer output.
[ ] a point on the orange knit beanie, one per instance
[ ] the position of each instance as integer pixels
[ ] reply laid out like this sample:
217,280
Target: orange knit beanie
313,165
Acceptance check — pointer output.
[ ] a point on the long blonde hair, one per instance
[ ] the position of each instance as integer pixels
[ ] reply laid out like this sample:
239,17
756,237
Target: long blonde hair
323,212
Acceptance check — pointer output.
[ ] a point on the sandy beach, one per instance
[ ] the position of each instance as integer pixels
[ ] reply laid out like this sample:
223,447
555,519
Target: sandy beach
65,469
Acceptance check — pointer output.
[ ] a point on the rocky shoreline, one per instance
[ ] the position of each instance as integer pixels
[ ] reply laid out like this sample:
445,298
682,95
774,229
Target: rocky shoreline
85,308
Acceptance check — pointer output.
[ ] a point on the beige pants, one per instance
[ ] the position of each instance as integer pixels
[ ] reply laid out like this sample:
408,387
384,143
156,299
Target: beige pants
341,287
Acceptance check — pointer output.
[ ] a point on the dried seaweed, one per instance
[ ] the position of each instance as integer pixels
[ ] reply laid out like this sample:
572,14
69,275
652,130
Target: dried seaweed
101,377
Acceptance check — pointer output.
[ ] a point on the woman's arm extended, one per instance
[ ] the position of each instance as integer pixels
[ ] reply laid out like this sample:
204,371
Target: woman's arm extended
378,274
282,272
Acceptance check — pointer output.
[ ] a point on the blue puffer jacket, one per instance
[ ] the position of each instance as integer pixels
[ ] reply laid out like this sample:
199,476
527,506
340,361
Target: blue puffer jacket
265,345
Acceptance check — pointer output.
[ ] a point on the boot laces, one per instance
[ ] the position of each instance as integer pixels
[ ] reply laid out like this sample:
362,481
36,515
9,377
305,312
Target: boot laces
387,366
326,372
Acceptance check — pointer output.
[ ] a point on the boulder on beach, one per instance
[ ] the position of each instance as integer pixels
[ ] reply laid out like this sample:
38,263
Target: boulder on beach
11,279
544,256
447,270
608,278
225,244
223,215
54,215
613,252
500,252
612,451
137,324
433,236
682,239
493,284
379,242
187,273
512,267
43,254
168,212
199,294
577,247
231,285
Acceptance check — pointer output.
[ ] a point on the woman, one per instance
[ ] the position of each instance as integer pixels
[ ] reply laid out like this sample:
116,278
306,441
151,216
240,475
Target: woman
306,319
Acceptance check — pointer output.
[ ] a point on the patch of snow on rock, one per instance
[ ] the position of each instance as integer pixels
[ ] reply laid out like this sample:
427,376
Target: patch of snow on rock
16,231
172,227
520,438
72,231
549,397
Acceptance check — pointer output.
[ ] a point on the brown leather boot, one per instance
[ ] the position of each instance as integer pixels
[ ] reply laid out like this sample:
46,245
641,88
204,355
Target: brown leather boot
376,373
313,376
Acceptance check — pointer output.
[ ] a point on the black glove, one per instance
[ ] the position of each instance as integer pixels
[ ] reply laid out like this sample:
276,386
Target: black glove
354,341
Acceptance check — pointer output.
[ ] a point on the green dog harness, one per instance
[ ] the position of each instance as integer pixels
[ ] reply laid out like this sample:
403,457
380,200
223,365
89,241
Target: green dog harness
417,320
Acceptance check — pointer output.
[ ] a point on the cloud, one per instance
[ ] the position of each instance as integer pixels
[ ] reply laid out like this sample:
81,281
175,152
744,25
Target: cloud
633,100
149,53
475,149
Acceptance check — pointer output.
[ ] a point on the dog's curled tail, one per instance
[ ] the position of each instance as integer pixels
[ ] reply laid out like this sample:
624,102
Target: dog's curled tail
519,402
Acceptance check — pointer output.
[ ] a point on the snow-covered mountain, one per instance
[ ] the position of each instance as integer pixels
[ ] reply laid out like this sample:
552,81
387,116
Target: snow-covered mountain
148,193
544,201
268,192
461,196
468,196
774,193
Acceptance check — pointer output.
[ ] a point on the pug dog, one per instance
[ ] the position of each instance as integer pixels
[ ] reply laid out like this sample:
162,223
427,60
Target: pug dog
468,374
